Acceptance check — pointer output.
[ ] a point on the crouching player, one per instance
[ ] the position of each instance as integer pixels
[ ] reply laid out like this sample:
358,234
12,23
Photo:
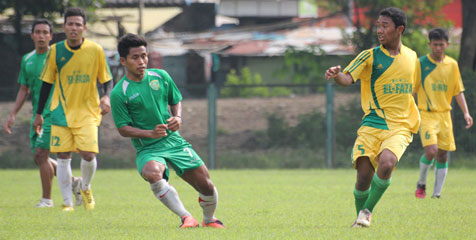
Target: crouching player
140,106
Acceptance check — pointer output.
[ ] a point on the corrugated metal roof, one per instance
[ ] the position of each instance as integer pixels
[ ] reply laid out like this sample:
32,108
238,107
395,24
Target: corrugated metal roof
152,3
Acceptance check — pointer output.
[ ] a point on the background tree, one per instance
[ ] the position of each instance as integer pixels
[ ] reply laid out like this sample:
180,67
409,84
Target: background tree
467,56
421,14
44,9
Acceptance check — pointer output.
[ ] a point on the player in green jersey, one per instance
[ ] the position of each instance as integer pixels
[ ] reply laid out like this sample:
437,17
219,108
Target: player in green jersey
30,83
140,107
438,81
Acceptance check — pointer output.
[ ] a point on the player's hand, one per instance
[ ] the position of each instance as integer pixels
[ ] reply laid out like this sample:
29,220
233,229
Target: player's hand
9,124
38,123
105,105
174,123
332,72
159,131
469,120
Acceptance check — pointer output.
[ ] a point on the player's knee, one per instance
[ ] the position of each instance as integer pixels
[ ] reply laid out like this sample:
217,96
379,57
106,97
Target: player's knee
153,172
206,187
88,156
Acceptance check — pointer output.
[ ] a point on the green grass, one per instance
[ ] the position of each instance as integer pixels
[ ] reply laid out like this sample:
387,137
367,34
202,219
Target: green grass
254,204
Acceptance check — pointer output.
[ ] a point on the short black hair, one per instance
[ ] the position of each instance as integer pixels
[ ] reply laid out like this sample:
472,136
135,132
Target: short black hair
398,17
75,11
129,41
438,34
42,21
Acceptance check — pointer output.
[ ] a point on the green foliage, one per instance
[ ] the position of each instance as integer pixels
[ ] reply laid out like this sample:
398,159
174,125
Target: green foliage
244,85
301,66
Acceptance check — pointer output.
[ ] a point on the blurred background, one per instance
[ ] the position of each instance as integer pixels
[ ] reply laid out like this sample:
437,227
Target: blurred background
251,73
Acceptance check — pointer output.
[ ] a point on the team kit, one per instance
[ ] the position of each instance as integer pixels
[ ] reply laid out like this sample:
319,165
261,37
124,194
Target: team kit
146,107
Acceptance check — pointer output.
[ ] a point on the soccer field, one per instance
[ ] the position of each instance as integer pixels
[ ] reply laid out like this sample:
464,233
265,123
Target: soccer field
254,204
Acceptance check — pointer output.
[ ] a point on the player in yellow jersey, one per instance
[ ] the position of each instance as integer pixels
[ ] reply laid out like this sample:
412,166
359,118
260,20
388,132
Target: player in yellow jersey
438,80
30,83
390,117
75,66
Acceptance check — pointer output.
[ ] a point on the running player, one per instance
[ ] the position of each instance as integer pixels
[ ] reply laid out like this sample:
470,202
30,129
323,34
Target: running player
438,80
74,66
390,117
140,108
31,66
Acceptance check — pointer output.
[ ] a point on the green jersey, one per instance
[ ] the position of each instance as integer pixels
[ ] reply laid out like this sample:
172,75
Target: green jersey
31,68
145,104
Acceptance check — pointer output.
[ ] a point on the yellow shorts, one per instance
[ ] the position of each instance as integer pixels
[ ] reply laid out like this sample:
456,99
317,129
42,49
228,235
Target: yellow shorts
65,139
371,142
437,128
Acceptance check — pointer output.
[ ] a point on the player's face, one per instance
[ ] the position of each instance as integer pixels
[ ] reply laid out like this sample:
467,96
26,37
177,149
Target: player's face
136,61
74,28
41,35
386,30
438,47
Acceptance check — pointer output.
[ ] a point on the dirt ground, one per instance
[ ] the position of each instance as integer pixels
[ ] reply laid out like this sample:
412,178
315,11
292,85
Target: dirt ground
236,121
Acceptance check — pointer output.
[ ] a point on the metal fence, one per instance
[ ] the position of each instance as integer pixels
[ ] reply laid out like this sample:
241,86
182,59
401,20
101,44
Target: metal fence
255,126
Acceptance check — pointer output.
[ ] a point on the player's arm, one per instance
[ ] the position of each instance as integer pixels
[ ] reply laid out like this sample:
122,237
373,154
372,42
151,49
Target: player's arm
175,121
44,94
105,103
461,100
343,79
21,98
133,132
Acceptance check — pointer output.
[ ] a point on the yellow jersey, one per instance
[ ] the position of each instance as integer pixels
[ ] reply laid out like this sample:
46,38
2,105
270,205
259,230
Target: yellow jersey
386,88
75,99
437,83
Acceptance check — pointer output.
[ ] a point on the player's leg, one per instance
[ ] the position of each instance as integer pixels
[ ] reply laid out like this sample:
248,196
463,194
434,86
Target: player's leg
153,171
199,178
441,170
46,174
365,172
446,143
363,156
426,161
381,180
86,141
62,144
429,128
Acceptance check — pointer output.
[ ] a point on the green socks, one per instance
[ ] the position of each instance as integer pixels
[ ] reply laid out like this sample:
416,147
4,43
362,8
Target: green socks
377,189
360,199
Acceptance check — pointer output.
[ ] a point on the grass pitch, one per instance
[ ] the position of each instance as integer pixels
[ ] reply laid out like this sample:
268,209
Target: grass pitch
254,204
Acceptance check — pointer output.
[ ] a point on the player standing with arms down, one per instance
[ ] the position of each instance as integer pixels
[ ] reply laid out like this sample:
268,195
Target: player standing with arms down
74,66
390,117
29,80
438,80
140,108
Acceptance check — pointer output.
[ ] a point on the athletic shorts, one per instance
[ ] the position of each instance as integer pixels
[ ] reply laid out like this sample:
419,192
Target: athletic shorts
437,128
371,142
41,140
175,151
65,139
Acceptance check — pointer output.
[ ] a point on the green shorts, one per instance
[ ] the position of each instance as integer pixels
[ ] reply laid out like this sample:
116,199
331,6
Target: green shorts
174,150
41,140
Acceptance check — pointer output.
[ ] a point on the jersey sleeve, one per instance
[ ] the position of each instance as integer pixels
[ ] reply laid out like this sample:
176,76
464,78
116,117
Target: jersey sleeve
417,76
50,70
120,113
458,82
358,65
104,73
174,93
22,75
